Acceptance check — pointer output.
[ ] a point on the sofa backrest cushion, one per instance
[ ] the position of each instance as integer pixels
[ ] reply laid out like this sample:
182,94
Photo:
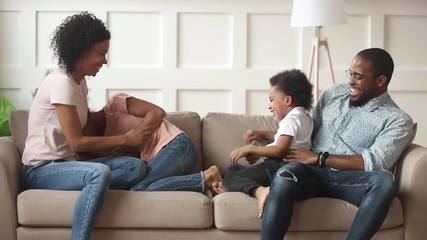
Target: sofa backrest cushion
189,122
223,132
19,128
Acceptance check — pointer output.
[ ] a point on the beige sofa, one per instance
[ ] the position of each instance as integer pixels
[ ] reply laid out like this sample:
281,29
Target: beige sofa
46,214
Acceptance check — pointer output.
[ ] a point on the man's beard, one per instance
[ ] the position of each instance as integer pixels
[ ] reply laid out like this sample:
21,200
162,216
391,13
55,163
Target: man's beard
363,99
359,102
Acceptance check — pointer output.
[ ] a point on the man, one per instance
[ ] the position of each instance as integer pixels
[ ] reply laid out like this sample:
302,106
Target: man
359,134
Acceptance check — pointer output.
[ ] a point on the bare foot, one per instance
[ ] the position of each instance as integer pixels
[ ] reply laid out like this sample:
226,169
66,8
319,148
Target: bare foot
212,177
261,193
217,187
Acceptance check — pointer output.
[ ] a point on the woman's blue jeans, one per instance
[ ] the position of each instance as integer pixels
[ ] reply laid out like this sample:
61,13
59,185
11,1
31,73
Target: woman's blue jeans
372,192
92,177
171,169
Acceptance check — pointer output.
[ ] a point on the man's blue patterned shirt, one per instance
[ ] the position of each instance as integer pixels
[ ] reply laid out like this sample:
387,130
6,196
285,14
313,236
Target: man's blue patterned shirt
378,130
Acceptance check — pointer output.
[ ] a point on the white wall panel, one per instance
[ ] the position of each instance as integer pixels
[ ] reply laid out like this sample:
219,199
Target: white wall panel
344,42
258,102
405,38
137,40
346,39
46,23
10,39
271,42
205,40
413,103
11,95
204,101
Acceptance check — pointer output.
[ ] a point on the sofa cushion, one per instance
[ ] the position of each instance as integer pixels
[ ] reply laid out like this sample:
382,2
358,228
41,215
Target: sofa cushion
189,122
19,128
121,209
238,211
223,132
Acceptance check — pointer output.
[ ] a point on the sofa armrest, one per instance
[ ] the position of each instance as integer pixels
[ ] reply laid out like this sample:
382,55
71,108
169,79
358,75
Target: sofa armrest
10,186
412,180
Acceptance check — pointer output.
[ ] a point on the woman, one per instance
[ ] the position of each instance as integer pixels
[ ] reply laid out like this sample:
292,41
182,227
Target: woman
57,115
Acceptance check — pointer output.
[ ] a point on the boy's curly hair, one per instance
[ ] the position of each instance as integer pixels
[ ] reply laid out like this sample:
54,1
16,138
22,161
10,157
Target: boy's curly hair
75,35
294,83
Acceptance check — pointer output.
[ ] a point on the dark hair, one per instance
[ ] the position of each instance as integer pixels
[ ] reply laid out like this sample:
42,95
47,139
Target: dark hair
75,35
380,60
294,83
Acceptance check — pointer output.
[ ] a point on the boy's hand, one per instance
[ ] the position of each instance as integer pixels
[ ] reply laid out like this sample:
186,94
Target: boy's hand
250,136
238,153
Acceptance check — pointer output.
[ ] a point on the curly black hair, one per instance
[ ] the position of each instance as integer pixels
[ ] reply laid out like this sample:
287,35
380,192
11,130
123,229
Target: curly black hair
75,35
294,83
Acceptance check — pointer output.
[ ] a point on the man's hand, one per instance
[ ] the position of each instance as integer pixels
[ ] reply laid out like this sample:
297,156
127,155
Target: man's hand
301,155
252,158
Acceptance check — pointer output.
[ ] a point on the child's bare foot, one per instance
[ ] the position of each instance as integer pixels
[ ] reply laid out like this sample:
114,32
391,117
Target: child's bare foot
261,193
212,177
217,187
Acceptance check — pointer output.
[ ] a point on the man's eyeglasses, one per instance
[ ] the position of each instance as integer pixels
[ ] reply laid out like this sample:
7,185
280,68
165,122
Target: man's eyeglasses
356,76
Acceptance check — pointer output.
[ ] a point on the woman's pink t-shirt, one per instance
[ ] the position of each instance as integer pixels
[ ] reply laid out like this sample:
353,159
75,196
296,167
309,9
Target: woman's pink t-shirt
46,140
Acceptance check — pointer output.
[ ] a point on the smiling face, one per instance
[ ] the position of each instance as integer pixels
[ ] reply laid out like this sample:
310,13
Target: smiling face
92,60
279,103
365,85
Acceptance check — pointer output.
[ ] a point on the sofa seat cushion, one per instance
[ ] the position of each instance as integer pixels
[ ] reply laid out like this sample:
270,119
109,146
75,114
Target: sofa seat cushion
121,209
238,211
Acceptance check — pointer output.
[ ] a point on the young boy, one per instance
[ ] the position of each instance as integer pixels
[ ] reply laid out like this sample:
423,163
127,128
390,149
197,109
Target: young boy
290,99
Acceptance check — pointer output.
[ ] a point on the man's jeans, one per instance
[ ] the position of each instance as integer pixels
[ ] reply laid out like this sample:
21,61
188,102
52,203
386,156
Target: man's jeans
171,169
92,177
372,192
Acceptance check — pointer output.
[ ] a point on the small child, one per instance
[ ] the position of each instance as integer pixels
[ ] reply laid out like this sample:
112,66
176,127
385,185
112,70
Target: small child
290,99
169,154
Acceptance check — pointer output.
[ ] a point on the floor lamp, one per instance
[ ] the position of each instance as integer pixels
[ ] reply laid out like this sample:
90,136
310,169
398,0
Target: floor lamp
318,13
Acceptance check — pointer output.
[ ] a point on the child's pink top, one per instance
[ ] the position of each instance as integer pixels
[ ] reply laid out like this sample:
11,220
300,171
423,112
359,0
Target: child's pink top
119,121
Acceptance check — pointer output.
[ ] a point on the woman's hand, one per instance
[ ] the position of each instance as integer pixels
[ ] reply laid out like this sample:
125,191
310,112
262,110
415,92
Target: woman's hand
138,137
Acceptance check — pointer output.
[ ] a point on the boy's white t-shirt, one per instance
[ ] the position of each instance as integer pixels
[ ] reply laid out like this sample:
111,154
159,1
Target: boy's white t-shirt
298,124
46,140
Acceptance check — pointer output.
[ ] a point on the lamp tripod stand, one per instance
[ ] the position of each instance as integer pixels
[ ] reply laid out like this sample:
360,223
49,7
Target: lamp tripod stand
314,61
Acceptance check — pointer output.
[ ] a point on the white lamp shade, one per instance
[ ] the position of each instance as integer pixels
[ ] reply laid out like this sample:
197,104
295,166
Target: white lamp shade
306,13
